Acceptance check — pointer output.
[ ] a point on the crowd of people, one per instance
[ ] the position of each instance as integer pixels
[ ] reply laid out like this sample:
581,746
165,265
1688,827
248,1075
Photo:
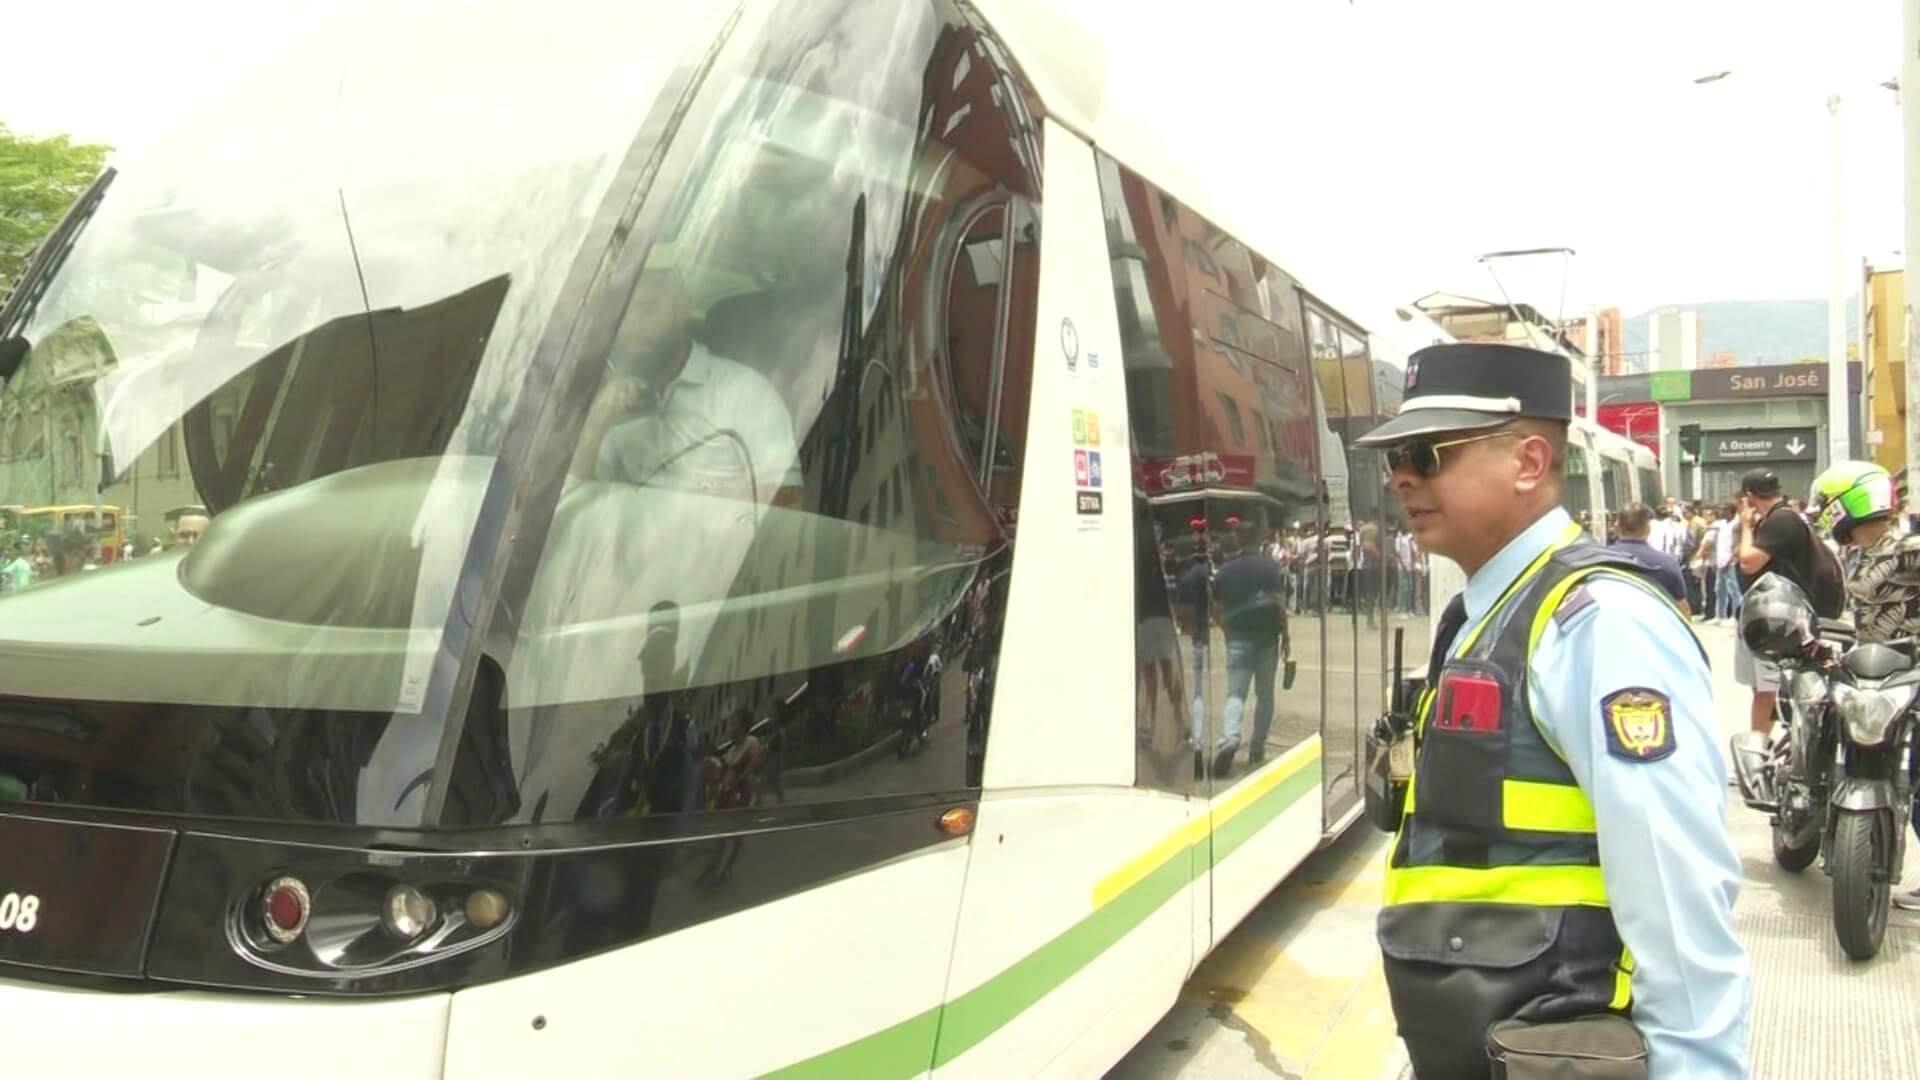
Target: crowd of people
1695,546
1339,568
28,560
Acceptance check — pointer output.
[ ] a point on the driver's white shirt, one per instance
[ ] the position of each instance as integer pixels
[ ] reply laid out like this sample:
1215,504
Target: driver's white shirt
684,445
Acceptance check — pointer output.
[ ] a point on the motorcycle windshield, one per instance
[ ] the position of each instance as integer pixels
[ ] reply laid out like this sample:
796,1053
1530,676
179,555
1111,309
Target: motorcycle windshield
267,369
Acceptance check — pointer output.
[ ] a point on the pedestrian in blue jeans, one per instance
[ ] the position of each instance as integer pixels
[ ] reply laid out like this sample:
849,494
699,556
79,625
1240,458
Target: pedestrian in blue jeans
1726,538
1196,602
1251,594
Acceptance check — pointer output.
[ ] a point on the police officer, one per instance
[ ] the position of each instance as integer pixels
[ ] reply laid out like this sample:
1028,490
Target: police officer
1562,850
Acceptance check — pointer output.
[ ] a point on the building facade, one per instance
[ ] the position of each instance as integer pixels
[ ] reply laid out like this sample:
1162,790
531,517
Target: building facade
1772,416
1886,332
1675,340
1468,318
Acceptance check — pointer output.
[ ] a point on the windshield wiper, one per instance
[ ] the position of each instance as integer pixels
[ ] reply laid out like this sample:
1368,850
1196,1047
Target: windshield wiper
41,268
837,481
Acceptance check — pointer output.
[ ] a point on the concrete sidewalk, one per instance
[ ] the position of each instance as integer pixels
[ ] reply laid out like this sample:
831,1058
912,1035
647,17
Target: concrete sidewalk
1296,990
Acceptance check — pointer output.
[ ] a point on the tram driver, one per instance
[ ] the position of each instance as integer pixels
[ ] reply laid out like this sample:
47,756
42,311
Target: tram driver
674,414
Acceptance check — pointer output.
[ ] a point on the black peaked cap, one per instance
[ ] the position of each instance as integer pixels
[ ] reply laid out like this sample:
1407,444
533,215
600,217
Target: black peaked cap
1473,386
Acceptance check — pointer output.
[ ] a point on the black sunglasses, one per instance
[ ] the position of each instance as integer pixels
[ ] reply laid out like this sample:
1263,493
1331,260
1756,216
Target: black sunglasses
1423,455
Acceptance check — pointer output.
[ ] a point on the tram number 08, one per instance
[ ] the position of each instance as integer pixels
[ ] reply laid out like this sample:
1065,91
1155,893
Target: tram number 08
19,914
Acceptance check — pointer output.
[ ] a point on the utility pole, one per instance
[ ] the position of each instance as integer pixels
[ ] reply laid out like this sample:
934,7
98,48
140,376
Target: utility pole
1868,451
1593,397
1838,448
1910,124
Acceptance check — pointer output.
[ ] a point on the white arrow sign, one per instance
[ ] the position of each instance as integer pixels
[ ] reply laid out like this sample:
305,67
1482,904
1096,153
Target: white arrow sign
1796,446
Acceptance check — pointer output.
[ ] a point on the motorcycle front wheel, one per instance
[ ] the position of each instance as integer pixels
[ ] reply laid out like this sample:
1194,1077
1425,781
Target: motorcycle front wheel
1792,857
1860,892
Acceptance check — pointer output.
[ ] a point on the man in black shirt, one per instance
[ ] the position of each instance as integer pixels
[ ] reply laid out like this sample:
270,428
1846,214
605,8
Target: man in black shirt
1773,539
1253,612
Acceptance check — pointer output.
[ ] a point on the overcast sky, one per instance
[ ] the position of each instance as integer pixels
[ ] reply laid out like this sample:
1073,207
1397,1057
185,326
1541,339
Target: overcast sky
1418,132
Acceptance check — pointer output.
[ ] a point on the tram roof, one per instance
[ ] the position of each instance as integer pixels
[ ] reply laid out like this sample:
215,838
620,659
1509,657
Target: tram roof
1062,49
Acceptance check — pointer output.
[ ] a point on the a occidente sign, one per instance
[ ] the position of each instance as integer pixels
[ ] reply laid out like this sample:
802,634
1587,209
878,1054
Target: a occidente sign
1771,444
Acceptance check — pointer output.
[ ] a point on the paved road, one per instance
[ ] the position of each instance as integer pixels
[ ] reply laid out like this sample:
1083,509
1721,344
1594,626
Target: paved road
1296,990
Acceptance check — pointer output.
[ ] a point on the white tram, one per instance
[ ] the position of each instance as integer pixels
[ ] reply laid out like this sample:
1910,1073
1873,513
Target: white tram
692,507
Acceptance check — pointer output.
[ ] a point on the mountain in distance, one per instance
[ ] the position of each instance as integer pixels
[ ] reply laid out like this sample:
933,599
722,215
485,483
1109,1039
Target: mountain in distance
1755,331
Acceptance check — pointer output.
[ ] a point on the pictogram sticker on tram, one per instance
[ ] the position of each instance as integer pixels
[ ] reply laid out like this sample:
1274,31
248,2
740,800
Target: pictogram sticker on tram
1081,468
1089,502
1093,420
1070,343
1079,427
1639,724
1093,469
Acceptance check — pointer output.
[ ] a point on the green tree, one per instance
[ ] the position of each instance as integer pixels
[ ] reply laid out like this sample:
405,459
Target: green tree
39,179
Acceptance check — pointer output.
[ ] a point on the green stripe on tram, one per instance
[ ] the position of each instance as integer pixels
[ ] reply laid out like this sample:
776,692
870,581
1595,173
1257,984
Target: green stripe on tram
970,1019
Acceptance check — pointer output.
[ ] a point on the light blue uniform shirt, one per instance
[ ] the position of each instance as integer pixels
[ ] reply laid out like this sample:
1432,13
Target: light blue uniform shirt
1669,865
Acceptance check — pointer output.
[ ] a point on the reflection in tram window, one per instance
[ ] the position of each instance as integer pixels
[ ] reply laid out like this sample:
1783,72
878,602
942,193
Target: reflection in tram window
1208,350
793,487
775,563
1579,498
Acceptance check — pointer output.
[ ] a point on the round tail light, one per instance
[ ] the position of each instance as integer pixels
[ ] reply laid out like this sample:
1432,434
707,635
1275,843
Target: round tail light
284,907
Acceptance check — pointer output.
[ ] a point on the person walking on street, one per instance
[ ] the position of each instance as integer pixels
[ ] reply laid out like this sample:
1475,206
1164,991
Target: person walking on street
1562,852
1772,539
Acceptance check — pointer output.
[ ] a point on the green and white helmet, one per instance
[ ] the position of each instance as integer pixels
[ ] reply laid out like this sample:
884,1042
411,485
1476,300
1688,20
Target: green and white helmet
1851,493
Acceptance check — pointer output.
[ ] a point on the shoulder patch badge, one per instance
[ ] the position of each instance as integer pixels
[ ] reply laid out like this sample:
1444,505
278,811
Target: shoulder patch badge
1572,604
1639,724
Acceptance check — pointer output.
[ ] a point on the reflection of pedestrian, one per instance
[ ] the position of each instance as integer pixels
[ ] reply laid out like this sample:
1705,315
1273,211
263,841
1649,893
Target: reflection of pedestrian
1254,615
733,774
1196,603
17,574
1156,653
67,554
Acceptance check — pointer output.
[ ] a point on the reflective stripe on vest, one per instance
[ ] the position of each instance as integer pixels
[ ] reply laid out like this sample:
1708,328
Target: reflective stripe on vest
1539,797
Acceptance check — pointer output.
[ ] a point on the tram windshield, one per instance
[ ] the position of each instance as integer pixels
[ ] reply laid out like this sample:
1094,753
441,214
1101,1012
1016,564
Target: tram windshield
293,344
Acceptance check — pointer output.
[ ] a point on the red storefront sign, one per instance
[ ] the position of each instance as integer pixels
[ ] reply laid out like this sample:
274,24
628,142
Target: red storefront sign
1639,421
1161,476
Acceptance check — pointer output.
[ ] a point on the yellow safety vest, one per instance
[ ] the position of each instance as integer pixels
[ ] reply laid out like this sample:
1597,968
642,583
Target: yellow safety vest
1495,906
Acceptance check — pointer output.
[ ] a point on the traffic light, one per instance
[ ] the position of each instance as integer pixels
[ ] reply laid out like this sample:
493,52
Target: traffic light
1690,439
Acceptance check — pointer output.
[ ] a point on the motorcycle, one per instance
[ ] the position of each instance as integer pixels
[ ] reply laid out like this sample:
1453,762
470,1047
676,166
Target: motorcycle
1790,777
1873,705
1850,734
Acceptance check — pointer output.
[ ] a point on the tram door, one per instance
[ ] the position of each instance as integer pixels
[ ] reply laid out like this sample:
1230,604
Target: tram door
1346,569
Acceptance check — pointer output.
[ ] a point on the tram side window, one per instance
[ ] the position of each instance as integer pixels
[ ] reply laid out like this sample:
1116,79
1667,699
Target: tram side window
1579,497
1649,486
778,567
1614,482
1208,350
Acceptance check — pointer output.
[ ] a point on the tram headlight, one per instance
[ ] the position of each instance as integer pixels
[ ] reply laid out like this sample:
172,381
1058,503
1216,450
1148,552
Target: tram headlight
337,921
487,908
408,912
